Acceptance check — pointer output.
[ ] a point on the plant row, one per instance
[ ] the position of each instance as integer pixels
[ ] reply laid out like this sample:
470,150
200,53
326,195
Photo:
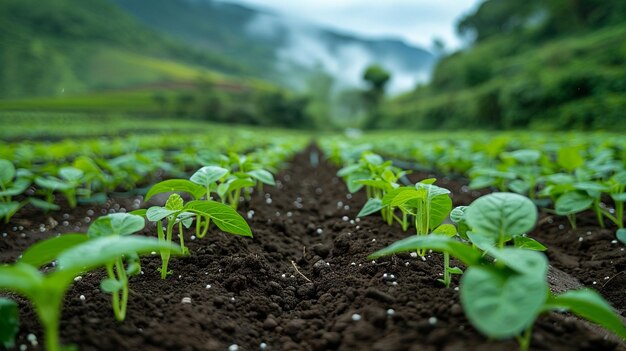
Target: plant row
504,286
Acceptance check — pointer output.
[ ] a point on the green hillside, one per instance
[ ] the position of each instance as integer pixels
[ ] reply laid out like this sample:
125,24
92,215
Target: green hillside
545,65
57,47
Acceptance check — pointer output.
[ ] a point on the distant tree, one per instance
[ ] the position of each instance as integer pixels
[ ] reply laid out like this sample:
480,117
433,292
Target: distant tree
376,78
438,47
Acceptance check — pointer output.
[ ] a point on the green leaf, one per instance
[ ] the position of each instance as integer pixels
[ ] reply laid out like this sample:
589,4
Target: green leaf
376,183
52,183
174,203
572,202
372,205
482,241
390,195
569,159
501,213
348,170
590,305
9,321
176,185
21,278
448,230
440,207
46,251
116,224
463,252
407,194
8,208
620,197
18,187
525,156
263,176
7,172
43,205
499,305
224,216
621,235
458,214
352,181
156,213
71,174
111,285
432,191
240,183
100,251
524,242
140,212
208,175
522,261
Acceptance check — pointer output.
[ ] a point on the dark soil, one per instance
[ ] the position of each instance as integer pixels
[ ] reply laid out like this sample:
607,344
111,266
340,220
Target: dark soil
303,281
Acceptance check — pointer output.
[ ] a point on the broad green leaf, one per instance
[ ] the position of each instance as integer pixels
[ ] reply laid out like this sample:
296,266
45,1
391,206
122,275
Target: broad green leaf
46,251
116,224
140,212
8,208
482,241
407,194
71,174
432,190
177,185
110,285
21,278
156,213
208,175
9,322
481,182
263,176
524,242
573,202
519,186
87,165
239,184
620,197
43,205
448,230
561,178
375,183
458,214
390,195
52,183
373,158
621,235
224,216
522,261
569,159
18,187
525,156
352,181
7,172
591,187
100,251
620,177
440,207
463,252
174,203
590,305
508,214
498,305
371,206
348,170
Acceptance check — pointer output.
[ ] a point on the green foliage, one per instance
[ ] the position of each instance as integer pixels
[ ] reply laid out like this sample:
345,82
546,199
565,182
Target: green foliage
9,322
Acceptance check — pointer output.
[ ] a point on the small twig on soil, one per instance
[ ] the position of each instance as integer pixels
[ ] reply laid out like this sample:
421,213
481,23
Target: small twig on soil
297,270
544,220
303,251
603,285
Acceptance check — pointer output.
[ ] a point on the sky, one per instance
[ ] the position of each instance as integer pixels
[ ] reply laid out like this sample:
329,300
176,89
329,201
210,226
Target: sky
415,21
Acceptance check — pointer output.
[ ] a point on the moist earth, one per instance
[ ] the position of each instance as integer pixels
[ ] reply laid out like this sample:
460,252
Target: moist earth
304,282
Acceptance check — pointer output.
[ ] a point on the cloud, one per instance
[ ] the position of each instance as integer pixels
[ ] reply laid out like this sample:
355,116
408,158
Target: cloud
417,21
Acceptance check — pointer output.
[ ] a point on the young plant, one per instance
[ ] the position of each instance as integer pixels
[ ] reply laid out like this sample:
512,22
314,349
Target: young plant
69,180
118,224
46,291
617,190
178,214
503,298
10,185
428,204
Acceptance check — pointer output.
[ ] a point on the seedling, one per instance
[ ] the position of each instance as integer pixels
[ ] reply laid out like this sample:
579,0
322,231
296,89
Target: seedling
502,299
46,292
179,214
118,224
617,190
10,185
69,180
426,203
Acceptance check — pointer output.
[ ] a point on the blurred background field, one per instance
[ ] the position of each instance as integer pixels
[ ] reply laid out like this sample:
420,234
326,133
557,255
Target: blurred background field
497,64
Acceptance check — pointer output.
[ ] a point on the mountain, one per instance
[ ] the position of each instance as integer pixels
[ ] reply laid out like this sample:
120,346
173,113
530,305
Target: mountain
279,48
542,64
57,47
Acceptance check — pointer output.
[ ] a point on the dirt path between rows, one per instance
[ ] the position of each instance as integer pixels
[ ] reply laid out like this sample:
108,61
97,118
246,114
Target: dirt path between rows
302,283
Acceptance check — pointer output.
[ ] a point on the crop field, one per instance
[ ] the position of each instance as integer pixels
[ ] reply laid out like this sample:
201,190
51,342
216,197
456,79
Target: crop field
128,235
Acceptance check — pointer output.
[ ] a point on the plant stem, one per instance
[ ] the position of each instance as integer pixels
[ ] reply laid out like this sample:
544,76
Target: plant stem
446,269
181,236
524,339
596,207
165,254
572,220
123,278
